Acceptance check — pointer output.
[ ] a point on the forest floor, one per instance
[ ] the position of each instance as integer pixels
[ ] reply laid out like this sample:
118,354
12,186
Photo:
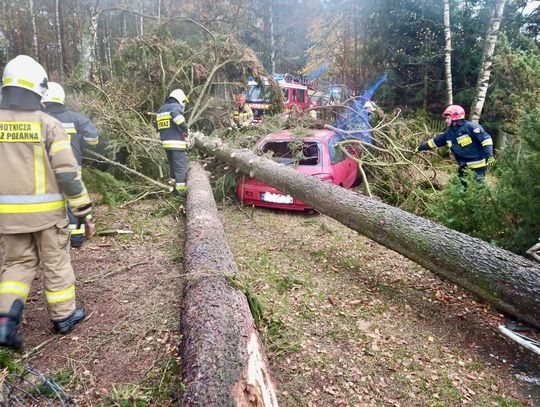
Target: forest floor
347,321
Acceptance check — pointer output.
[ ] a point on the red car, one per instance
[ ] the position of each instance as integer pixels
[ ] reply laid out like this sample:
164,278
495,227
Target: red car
316,154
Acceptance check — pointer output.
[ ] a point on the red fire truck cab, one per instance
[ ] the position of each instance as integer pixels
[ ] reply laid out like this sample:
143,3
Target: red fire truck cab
295,95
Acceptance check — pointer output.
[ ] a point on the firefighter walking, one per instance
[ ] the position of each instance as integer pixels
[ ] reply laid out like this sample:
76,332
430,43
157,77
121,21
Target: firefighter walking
173,131
81,133
470,144
38,172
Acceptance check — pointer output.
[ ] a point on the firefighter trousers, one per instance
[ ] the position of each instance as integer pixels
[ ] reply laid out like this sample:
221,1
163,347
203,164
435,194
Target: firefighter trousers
178,163
23,254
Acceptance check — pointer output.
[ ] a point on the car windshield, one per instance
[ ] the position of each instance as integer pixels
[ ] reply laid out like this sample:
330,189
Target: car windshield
293,152
258,93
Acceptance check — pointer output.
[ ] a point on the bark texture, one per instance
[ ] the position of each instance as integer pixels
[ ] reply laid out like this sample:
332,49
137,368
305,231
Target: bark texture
223,362
487,62
507,281
448,53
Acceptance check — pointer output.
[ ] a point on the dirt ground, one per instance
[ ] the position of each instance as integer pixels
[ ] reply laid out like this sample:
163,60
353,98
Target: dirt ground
347,321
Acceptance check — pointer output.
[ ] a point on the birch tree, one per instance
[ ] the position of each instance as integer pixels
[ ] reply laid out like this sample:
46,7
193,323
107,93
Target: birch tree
448,53
487,62
59,40
34,30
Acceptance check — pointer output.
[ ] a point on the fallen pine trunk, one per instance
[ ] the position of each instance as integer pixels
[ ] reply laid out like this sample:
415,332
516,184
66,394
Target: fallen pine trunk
509,282
223,362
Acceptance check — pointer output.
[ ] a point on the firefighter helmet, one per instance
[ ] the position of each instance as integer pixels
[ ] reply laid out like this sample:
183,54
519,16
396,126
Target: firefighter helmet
25,72
370,106
54,94
455,112
179,96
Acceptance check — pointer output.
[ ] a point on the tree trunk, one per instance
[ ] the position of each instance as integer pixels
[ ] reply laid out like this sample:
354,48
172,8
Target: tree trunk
503,279
35,48
223,362
448,53
272,37
487,62
59,40
88,51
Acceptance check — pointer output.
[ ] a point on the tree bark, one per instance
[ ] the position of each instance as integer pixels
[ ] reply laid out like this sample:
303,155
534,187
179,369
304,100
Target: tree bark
35,48
507,281
59,40
223,362
448,53
487,62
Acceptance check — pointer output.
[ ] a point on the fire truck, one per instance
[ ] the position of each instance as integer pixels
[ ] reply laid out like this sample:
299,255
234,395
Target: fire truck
295,94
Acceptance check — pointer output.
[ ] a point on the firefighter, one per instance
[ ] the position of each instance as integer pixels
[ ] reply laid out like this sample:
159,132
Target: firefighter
242,115
173,132
81,132
38,173
471,145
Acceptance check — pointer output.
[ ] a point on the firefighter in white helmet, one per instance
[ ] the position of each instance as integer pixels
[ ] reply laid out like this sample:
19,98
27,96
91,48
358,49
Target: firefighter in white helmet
38,173
173,131
81,133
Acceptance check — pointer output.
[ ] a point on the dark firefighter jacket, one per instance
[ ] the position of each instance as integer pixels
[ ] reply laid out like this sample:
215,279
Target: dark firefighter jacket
172,126
468,141
78,128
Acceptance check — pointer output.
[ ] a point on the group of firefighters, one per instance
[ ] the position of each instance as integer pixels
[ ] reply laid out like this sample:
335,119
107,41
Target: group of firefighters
41,144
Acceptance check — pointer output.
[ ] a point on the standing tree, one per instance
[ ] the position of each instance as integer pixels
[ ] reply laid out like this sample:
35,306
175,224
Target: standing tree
448,53
487,62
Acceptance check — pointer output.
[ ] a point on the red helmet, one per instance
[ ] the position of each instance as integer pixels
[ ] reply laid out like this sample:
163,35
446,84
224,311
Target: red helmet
456,112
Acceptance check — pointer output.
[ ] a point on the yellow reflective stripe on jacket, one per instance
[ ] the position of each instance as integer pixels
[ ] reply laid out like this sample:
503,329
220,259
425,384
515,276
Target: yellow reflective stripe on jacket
32,207
449,143
60,296
431,144
79,200
476,164
487,142
91,141
174,144
179,120
39,170
60,145
15,287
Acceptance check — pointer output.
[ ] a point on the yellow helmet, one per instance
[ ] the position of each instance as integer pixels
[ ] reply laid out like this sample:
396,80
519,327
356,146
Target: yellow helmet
25,72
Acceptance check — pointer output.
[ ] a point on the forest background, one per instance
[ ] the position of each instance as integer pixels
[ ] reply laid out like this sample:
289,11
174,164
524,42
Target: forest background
119,60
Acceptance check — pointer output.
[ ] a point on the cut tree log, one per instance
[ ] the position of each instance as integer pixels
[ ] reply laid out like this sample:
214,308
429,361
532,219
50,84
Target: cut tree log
223,361
509,282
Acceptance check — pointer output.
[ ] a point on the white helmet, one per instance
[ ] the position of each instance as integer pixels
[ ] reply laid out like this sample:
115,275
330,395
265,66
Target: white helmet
54,94
180,96
24,72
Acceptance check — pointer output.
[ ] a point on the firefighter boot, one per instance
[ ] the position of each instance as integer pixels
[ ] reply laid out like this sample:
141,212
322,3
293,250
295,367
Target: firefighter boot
9,326
63,326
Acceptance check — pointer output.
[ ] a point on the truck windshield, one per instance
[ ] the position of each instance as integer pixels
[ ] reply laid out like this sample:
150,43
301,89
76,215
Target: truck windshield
258,93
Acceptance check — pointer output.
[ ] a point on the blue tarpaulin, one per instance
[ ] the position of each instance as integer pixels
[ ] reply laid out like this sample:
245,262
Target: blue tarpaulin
354,116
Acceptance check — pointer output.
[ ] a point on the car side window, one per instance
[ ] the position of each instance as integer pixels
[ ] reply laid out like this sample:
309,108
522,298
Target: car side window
285,94
336,155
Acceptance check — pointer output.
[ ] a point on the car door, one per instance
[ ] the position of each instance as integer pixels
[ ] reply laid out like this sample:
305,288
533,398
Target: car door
344,169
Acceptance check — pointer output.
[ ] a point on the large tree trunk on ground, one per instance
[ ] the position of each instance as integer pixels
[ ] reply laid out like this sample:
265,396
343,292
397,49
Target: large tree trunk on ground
507,281
223,362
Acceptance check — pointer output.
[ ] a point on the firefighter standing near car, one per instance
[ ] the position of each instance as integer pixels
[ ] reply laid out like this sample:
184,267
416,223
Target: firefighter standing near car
173,132
242,115
38,172
81,132
471,146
